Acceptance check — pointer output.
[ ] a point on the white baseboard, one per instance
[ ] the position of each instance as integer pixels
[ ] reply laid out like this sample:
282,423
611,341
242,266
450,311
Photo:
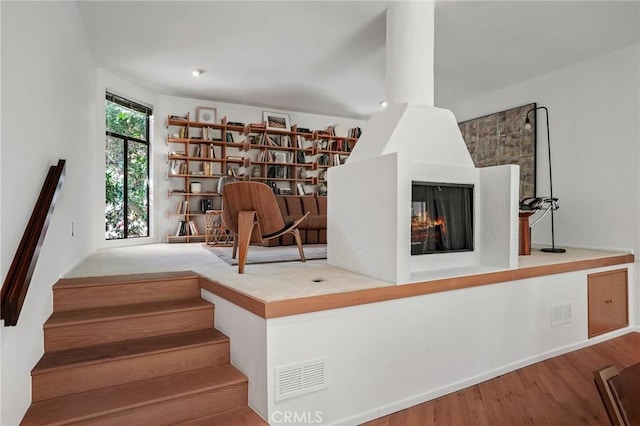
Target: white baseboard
437,393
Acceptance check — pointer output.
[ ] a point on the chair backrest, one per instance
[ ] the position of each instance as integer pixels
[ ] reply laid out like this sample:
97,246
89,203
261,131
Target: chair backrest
248,196
602,377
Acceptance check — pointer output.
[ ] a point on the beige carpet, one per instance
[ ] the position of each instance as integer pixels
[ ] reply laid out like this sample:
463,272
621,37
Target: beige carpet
259,254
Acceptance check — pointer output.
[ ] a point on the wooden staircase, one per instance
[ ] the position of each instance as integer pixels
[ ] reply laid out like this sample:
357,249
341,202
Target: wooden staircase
136,350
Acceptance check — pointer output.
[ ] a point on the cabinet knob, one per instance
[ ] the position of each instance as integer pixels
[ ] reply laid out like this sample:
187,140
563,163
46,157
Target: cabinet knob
608,301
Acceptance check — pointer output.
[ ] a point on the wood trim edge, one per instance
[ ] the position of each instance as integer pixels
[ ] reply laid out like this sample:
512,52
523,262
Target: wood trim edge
302,305
243,300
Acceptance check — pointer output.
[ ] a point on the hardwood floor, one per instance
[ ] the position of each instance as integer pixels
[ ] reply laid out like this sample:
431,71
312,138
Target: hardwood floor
558,391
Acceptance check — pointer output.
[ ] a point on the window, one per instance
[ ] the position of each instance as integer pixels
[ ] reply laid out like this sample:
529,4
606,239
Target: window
127,168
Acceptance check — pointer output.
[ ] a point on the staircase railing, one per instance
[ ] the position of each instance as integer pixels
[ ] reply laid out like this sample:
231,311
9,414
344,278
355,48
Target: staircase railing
16,283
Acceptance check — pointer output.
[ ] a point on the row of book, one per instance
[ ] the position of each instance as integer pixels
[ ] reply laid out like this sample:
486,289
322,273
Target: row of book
331,160
281,157
205,204
335,145
282,141
354,132
207,151
186,227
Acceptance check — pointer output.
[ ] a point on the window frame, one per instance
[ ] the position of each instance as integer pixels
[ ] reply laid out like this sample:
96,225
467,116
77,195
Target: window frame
148,112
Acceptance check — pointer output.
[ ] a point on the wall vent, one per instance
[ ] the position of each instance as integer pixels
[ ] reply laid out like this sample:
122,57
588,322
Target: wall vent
298,379
561,314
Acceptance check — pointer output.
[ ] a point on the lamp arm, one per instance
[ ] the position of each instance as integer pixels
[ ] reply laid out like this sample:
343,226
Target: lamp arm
541,216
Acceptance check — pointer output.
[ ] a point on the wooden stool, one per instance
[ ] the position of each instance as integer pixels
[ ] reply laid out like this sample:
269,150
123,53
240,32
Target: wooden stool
215,231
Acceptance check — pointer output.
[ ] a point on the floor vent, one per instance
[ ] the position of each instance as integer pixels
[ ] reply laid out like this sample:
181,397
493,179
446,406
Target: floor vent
560,314
298,379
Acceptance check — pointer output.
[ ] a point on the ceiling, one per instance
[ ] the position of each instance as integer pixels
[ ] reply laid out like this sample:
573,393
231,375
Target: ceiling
329,57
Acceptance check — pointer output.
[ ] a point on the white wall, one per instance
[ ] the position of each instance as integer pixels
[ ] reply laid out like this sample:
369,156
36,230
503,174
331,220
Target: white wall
594,123
48,112
387,356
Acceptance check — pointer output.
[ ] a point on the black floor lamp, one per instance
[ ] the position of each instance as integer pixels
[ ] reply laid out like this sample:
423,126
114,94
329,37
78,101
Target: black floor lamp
553,201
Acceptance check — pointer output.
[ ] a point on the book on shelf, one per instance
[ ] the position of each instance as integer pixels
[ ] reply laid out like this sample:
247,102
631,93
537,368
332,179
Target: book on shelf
323,160
184,168
212,151
206,204
179,117
183,207
198,151
210,134
193,229
303,130
300,188
234,158
182,228
234,123
176,166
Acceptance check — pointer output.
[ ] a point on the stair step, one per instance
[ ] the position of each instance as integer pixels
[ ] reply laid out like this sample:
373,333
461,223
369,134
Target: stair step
94,326
159,401
244,416
66,372
89,292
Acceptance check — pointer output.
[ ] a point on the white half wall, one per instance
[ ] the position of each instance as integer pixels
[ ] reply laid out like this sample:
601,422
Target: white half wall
499,188
48,113
387,356
248,346
363,212
594,119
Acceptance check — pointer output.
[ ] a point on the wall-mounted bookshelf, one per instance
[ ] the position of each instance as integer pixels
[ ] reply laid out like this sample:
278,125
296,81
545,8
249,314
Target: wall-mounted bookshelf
290,161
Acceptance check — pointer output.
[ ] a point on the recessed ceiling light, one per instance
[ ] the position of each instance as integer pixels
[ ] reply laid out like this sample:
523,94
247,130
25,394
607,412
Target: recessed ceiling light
383,104
197,72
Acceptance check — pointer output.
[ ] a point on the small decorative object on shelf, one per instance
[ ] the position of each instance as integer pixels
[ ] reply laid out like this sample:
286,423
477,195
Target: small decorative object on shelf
276,120
206,115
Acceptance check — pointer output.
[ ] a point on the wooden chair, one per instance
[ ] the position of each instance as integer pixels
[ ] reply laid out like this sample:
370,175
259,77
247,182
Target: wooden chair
252,214
602,377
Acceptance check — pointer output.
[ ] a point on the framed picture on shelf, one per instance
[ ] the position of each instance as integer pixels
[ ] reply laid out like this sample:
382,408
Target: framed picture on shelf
276,120
207,115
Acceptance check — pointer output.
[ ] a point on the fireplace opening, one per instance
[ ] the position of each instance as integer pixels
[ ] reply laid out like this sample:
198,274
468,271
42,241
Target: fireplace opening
441,218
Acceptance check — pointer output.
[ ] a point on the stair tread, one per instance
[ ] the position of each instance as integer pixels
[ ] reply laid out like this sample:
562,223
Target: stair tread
122,279
243,416
64,318
52,361
87,405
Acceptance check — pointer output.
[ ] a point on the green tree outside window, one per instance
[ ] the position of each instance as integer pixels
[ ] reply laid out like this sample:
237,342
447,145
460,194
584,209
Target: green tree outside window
127,171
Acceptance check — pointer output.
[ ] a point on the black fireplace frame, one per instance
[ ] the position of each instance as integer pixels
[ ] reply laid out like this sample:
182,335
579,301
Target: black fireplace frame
469,233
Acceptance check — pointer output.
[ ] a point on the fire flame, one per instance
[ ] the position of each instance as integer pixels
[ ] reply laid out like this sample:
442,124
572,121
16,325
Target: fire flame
424,224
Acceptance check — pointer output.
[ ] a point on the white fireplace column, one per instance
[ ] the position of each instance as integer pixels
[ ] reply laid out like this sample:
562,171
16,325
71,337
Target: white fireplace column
410,52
